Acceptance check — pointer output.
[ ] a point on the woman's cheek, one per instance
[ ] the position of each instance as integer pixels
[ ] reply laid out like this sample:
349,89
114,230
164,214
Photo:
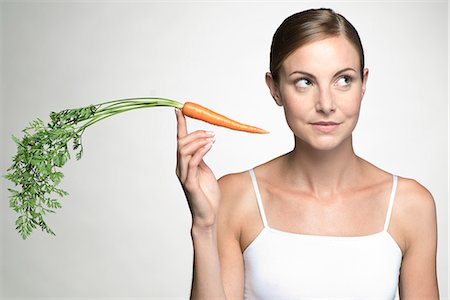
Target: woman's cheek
350,106
295,118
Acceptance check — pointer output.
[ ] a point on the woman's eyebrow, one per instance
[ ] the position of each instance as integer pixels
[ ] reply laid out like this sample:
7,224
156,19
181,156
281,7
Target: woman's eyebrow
314,77
304,73
344,70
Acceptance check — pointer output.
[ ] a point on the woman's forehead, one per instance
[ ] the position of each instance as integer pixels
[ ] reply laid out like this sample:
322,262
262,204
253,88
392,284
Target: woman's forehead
319,56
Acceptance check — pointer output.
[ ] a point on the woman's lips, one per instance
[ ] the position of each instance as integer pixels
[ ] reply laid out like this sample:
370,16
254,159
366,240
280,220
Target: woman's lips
325,126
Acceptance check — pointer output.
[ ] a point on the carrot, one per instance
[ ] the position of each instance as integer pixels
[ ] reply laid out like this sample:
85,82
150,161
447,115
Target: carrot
196,111
44,149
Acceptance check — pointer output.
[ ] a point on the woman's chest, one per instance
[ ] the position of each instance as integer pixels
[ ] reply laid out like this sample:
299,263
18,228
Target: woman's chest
290,266
351,213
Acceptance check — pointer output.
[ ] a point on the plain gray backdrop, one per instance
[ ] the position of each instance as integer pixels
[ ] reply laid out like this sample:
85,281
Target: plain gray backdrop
124,230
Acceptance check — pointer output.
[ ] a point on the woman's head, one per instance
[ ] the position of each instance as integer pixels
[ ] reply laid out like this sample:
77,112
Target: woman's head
306,27
318,76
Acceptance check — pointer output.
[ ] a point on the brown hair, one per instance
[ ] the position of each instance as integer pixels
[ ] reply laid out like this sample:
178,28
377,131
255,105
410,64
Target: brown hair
308,26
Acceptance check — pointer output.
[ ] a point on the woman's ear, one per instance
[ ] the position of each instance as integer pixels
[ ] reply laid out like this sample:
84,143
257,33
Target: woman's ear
364,83
274,90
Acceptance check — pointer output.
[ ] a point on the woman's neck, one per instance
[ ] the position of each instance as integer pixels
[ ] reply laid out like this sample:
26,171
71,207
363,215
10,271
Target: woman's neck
324,172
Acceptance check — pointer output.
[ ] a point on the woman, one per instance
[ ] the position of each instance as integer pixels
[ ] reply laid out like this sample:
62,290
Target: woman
319,221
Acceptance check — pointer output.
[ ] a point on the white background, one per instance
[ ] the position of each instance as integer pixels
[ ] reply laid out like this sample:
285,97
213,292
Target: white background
124,230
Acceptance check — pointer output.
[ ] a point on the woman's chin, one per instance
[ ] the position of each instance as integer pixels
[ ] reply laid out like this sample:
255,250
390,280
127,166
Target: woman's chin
325,143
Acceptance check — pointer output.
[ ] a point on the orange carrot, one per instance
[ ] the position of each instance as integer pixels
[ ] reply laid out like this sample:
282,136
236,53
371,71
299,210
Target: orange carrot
196,111
37,172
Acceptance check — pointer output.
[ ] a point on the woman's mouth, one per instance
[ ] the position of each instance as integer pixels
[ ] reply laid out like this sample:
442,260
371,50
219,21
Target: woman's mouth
325,126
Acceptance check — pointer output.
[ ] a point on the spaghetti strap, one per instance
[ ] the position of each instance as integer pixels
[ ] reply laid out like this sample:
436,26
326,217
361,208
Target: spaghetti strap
258,198
391,202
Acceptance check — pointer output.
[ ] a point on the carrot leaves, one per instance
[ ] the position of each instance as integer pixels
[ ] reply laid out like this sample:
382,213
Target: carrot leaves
41,153
44,149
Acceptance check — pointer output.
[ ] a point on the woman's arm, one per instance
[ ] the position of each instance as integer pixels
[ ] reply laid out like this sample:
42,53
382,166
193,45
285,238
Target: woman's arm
204,195
418,278
207,279
219,249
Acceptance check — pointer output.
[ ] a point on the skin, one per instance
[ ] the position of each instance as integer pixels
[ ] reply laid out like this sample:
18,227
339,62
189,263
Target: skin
318,82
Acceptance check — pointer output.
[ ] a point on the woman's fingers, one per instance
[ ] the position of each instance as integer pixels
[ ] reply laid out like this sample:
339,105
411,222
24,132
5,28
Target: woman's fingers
192,137
191,148
181,133
197,180
190,155
181,124
191,179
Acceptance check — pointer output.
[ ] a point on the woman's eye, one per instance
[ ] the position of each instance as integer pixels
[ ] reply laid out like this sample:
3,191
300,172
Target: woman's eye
344,81
303,83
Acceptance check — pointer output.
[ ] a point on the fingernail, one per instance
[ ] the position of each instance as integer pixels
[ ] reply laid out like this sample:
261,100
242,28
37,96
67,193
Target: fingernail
209,145
210,133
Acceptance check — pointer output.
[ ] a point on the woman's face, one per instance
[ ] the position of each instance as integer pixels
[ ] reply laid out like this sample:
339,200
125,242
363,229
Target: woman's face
320,88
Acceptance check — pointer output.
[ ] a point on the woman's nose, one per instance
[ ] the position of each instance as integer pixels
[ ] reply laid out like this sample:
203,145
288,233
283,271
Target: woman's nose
325,102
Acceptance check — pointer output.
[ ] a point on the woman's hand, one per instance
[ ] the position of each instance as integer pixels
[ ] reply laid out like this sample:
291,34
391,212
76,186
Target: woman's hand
197,179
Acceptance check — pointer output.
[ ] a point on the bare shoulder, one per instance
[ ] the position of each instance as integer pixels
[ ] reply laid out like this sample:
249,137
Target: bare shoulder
235,203
235,182
414,198
235,188
416,218
415,211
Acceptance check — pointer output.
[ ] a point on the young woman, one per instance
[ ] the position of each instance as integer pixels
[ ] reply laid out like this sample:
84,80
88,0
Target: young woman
319,221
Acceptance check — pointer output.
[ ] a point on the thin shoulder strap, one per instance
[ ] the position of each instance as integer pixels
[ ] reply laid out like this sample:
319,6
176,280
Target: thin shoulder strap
258,198
391,202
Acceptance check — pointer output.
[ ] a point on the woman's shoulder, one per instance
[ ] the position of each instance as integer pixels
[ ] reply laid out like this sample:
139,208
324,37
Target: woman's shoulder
408,190
237,206
413,201
235,183
413,196
240,182
414,211
236,191
238,198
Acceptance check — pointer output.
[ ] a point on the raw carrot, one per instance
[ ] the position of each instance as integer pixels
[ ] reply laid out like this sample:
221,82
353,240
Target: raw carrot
196,111
44,149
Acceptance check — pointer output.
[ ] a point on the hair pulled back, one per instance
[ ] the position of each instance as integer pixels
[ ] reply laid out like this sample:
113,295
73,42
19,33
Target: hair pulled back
308,26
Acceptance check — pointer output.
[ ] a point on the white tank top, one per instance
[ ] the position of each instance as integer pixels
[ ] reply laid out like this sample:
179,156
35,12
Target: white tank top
282,265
